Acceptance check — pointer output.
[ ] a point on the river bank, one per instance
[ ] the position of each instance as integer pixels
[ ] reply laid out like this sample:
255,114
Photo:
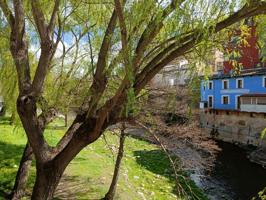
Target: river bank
145,173
233,176
226,175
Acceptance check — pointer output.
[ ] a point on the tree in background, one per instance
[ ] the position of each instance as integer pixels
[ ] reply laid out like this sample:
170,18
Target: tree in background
112,189
128,43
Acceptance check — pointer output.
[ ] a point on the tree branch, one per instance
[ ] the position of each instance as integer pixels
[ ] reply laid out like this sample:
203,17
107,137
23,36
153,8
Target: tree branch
152,30
149,72
99,79
39,19
48,47
46,117
123,28
7,12
53,18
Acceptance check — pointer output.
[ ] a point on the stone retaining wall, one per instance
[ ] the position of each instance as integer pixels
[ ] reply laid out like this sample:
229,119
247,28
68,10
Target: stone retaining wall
235,127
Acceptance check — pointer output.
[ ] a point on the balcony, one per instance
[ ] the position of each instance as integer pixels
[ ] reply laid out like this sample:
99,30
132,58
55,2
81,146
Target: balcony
253,103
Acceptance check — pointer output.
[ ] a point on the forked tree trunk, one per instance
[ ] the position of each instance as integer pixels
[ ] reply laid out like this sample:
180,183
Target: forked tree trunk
22,174
111,193
49,173
47,179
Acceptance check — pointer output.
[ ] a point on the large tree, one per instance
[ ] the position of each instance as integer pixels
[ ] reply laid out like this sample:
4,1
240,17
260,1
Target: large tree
128,43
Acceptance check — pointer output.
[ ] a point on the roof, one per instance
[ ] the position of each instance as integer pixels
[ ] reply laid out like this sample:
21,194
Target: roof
243,73
254,95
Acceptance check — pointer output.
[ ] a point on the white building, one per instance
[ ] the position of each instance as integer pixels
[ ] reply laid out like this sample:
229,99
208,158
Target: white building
173,74
217,66
178,73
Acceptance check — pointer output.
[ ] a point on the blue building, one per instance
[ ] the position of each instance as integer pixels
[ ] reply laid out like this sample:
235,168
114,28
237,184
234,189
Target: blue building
245,92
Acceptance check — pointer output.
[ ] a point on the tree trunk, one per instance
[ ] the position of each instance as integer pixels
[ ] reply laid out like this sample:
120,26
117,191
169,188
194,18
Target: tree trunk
22,174
47,179
111,193
66,120
13,117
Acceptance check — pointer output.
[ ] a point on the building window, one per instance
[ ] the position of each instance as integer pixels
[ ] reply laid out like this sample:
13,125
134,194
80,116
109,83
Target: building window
238,102
225,100
210,85
210,101
225,84
240,83
261,101
246,100
264,81
219,66
254,100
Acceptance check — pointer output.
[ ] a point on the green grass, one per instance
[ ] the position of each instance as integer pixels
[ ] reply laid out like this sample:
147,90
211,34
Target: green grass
145,171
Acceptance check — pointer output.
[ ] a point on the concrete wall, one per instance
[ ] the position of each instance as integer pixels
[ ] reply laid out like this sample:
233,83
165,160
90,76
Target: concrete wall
235,127
253,108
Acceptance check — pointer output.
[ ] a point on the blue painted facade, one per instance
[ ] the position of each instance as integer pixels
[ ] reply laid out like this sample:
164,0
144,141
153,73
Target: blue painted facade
254,84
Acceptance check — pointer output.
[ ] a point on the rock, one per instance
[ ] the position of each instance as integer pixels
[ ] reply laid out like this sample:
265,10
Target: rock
142,195
258,156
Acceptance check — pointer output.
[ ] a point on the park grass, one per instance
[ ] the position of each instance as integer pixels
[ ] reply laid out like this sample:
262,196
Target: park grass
145,172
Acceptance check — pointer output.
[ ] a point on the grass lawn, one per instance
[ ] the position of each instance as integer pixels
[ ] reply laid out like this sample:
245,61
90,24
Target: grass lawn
145,172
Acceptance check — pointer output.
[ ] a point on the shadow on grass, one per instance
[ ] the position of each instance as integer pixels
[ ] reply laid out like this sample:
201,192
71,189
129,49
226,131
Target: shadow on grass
73,187
10,156
5,120
157,162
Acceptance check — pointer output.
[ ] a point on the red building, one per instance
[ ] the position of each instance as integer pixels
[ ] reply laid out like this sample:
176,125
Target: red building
242,52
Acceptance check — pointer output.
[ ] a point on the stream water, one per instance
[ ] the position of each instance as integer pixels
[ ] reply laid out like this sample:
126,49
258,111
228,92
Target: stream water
233,176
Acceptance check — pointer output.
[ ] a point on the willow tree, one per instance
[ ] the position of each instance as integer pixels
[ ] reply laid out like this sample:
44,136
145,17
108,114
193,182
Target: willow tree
129,42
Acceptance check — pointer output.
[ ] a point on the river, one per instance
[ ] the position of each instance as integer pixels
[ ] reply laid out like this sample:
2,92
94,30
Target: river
233,175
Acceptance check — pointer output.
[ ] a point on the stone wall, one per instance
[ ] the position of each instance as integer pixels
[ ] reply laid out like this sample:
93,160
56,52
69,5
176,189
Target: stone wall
235,127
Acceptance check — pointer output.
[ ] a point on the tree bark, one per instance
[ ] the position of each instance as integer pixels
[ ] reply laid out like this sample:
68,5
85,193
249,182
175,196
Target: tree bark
111,193
47,179
22,174
50,172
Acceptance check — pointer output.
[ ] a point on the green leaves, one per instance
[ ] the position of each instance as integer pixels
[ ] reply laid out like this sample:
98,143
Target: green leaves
261,31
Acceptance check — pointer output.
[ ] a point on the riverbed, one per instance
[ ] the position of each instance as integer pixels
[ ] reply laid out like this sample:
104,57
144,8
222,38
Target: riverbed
233,175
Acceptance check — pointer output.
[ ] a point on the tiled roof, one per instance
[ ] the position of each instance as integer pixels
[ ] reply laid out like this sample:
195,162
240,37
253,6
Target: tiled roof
246,72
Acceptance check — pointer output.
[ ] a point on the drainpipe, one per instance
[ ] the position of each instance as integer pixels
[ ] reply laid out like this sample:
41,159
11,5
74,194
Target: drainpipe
214,95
